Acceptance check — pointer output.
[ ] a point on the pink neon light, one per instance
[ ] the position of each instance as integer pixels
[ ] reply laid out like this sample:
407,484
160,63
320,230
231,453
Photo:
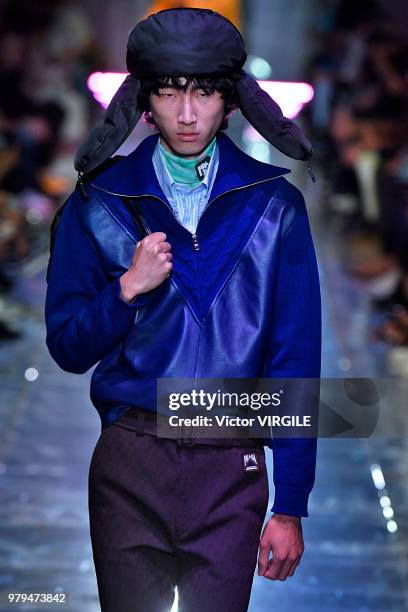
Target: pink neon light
290,96
104,85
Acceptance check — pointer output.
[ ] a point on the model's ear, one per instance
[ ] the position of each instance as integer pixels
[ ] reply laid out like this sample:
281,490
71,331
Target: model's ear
112,129
267,118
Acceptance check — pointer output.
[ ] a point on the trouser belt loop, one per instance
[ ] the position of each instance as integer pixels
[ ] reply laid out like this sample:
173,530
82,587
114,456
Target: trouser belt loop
140,424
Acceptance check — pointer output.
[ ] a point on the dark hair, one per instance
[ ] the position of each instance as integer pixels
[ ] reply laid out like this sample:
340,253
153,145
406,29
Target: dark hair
224,85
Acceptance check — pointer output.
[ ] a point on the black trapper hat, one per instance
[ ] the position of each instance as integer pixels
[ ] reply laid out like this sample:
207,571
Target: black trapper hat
175,42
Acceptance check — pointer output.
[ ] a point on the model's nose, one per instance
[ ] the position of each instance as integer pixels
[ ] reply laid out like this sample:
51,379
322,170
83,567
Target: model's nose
187,114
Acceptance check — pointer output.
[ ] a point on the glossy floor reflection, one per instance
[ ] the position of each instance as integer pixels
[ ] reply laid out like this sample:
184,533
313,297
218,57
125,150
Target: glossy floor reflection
48,430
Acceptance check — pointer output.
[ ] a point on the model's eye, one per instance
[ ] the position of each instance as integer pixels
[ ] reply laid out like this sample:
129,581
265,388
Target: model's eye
202,93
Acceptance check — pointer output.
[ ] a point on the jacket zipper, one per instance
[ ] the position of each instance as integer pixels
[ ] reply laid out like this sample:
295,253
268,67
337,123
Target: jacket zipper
196,243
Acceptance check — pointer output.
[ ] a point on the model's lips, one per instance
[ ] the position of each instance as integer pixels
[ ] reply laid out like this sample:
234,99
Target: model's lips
190,136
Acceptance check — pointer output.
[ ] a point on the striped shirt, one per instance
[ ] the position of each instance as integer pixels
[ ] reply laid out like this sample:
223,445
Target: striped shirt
187,203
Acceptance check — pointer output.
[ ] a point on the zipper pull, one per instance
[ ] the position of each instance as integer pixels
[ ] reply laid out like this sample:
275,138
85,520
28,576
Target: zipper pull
196,244
309,169
81,187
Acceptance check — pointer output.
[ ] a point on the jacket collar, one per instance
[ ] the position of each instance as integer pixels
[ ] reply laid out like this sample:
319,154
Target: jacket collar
134,175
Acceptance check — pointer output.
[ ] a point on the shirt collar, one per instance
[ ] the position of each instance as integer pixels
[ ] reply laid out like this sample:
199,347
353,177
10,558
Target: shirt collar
134,175
165,176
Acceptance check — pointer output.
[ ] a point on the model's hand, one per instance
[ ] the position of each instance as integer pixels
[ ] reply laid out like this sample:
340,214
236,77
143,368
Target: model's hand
283,536
151,265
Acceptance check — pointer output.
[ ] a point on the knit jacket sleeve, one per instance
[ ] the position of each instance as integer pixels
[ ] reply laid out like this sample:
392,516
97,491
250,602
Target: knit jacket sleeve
295,351
84,314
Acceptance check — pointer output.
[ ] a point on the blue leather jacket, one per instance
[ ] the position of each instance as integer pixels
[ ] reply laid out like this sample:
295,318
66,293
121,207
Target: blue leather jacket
243,299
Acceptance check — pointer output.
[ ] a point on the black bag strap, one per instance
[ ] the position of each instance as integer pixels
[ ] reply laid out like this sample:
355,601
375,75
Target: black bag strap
133,208
135,212
82,179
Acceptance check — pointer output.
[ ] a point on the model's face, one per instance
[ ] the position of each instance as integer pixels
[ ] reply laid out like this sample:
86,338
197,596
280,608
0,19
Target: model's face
187,120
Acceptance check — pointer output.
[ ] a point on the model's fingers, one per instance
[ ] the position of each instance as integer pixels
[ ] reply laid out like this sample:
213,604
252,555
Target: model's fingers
274,568
293,568
263,559
165,256
286,567
165,247
154,238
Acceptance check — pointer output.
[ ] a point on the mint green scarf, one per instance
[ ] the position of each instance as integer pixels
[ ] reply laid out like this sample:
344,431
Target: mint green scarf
181,169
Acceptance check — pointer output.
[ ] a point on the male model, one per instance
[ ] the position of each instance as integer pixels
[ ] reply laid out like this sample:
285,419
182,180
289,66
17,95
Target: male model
186,258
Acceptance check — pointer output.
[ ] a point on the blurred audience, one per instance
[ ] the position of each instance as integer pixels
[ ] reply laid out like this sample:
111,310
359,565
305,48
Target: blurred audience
47,51
359,124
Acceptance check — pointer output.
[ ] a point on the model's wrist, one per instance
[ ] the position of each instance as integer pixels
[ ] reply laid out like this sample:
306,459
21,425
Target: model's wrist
287,518
128,291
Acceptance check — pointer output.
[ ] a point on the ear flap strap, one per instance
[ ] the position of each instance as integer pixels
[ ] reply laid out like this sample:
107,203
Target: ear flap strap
267,118
112,129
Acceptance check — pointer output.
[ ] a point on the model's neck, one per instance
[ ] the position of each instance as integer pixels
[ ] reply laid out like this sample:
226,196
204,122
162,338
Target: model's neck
183,169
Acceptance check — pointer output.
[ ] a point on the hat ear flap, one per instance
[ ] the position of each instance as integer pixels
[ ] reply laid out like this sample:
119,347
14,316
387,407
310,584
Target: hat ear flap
112,129
266,116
